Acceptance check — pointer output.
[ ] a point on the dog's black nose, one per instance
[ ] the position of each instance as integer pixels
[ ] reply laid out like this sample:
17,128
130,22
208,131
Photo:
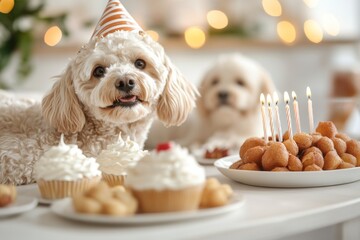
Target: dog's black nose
125,85
223,96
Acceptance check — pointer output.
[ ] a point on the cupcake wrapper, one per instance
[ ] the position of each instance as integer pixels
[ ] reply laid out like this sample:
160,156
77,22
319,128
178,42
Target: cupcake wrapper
114,180
152,201
57,189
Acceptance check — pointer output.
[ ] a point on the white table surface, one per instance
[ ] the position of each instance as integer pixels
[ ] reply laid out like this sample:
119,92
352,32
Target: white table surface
268,213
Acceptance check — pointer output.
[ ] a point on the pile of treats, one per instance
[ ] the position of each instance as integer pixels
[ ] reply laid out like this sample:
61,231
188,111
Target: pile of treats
326,149
119,201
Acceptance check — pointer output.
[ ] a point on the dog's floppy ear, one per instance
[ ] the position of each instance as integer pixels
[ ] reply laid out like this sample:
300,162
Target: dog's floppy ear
200,101
61,107
177,99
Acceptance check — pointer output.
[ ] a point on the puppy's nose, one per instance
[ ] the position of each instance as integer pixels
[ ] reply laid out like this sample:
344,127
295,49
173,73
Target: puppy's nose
125,85
223,96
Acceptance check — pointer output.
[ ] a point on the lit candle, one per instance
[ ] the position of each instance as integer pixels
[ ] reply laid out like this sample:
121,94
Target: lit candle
310,110
296,111
278,123
288,114
269,102
262,101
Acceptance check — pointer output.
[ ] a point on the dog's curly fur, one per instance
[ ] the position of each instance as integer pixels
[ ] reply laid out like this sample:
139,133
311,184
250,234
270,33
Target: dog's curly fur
82,106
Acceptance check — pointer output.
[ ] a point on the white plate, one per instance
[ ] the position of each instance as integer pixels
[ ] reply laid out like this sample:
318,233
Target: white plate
21,204
287,179
64,209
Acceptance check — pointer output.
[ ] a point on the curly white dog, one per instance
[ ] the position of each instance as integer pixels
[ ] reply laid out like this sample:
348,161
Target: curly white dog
116,83
228,110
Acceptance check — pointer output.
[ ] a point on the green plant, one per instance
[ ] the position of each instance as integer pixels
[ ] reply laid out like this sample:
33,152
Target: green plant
14,38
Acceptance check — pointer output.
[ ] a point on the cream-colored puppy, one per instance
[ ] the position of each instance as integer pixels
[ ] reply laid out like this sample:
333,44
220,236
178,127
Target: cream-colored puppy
117,83
228,110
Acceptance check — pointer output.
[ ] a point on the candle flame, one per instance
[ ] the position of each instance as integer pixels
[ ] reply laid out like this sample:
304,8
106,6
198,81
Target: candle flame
262,99
269,100
276,98
308,92
293,94
286,97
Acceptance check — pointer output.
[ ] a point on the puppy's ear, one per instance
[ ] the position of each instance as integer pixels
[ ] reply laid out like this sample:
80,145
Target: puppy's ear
200,106
61,107
267,85
177,99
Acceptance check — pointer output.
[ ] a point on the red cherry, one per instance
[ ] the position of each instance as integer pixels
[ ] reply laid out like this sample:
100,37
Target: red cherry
163,146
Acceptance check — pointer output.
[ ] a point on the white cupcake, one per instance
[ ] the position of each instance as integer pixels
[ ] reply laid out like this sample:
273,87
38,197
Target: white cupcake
117,158
168,179
64,170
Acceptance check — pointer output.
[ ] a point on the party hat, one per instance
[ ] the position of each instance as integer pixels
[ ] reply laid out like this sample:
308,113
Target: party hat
115,18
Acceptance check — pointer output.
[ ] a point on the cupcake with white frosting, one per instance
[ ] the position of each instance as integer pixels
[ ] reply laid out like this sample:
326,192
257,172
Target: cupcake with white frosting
64,170
117,158
168,179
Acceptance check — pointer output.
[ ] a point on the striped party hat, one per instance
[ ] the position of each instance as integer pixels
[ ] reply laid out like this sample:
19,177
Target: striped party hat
115,18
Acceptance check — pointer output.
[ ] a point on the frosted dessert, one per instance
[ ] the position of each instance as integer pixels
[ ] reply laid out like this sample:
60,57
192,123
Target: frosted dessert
64,170
117,158
168,179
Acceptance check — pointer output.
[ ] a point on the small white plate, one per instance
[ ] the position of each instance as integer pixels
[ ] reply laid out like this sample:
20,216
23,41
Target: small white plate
65,209
287,179
21,204
199,156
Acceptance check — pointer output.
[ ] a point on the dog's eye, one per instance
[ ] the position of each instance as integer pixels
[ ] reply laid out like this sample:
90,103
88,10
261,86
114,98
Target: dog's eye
214,82
140,64
240,82
99,72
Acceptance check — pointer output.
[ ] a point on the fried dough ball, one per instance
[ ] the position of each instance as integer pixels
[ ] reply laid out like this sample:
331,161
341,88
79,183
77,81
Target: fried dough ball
236,164
339,145
100,192
254,154
353,147
327,129
344,165
280,169
312,167
332,161
315,137
115,208
85,204
343,136
346,157
313,158
127,199
249,166
311,149
275,156
215,194
294,163
286,136
325,145
291,146
357,156
7,194
303,140
250,143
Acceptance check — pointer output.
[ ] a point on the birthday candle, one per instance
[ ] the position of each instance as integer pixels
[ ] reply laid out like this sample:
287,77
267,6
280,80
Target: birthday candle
310,110
262,101
296,111
269,102
278,123
288,114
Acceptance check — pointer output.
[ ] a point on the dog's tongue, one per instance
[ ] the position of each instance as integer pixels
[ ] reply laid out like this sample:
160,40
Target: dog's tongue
128,99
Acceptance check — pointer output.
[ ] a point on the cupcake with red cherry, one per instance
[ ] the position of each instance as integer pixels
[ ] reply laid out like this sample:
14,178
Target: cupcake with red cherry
167,179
